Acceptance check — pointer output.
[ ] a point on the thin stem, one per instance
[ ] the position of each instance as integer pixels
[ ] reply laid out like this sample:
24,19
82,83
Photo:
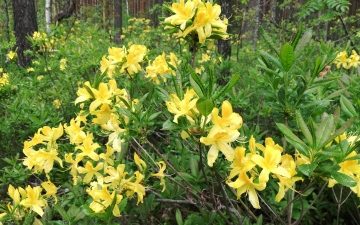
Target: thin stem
312,203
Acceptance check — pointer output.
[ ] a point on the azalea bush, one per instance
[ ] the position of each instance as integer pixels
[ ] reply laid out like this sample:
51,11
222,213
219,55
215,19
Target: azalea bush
147,135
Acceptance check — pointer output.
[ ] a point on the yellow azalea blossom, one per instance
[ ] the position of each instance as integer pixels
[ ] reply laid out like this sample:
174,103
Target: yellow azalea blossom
354,59
348,167
220,140
83,93
108,156
57,103
16,194
88,149
245,184
356,188
63,63
74,166
161,174
207,19
342,60
11,55
75,132
102,96
116,176
229,119
41,160
204,58
50,189
34,200
102,199
270,161
136,187
91,171
185,107
183,13
136,54
106,65
103,114
285,183
242,162
139,162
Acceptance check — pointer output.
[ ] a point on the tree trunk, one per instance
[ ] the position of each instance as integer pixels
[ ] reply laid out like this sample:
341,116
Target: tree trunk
118,21
48,15
67,11
25,24
223,46
257,24
7,21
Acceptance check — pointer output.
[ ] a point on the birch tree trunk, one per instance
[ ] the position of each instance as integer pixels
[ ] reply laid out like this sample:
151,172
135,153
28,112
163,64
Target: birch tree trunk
48,16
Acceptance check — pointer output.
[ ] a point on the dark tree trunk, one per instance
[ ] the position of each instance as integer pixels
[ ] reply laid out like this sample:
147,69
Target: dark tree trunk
24,25
67,11
224,47
7,21
118,21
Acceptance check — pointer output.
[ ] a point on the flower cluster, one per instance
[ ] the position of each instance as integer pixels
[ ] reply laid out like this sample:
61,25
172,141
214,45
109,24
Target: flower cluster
250,169
125,60
11,55
199,18
4,78
159,67
45,42
29,199
342,60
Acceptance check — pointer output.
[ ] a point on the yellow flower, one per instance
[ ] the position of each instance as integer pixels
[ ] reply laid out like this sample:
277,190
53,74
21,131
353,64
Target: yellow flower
88,149
229,119
271,160
136,187
63,63
285,183
242,162
354,59
185,107
57,103
102,199
139,162
30,70
220,140
183,13
342,60
161,174
34,200
11,55
50,189
245,184
136,54
91,171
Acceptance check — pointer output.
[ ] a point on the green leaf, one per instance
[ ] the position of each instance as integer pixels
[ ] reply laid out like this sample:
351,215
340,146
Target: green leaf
304,129
304,40
62,212
271,59
293,139
205,106
307,169
297,37
268,40
344,179
325,129
169,125
281,95
341,130
347,106
178,217
287,56
196,82
234,79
